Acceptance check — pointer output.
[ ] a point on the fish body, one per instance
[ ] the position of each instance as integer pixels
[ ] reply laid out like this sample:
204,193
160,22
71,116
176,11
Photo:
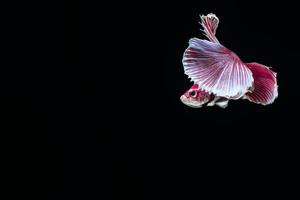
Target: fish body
219,75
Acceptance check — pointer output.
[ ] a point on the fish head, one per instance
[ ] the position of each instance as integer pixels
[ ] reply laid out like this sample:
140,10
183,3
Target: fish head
195,97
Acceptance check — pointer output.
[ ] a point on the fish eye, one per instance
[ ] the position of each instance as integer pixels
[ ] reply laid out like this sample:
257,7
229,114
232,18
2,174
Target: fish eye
192,93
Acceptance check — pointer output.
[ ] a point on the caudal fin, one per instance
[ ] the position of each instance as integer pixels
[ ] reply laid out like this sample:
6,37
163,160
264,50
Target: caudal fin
265,84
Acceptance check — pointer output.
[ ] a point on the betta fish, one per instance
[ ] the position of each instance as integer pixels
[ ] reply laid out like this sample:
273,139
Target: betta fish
219,75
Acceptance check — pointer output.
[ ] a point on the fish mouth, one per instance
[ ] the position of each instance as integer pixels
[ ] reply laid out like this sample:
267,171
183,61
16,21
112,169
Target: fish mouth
190,102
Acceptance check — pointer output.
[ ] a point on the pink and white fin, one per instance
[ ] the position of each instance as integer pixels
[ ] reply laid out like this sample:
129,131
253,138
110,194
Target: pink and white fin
210,24
265,84
222,103
216,69
219,101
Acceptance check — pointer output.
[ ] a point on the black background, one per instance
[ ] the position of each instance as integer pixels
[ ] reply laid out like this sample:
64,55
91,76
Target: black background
116,125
